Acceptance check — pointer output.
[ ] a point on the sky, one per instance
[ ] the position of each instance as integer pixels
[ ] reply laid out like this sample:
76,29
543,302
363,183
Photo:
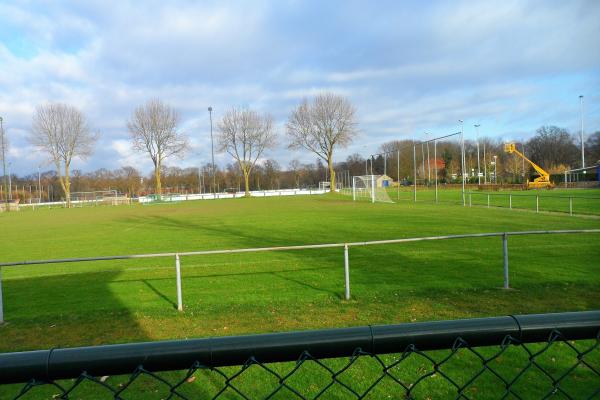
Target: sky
408,67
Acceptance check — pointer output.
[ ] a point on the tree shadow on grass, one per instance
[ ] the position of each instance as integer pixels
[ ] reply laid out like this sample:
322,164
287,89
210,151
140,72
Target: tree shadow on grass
54,304
61,311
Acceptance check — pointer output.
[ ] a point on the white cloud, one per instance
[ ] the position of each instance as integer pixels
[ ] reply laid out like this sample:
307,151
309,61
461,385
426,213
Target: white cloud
510,65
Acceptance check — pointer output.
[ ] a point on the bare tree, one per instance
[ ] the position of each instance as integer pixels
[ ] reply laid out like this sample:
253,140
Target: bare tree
295,168
321,126
245,135
153,130
63,132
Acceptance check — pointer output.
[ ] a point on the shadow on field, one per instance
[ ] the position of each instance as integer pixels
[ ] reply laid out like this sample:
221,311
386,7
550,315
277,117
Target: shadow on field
68,310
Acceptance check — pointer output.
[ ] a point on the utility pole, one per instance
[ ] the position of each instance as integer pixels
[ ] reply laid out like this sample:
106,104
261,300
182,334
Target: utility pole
212,150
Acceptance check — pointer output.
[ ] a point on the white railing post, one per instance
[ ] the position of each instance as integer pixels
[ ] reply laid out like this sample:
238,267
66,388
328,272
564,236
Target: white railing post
353,189
505,253
347,272
488,196
537,203
178,274
570,206
510,201
470,199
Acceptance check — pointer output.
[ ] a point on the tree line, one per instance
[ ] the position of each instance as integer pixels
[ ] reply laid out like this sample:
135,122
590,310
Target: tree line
321,126
62,132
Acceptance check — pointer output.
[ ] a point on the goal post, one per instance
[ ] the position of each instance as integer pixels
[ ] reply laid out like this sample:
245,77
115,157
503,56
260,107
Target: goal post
371,187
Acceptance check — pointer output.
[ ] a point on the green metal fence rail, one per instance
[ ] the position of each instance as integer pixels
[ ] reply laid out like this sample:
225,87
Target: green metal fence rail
390,349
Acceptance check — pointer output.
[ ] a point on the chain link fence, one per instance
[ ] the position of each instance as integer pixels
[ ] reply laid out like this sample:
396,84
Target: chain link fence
433,363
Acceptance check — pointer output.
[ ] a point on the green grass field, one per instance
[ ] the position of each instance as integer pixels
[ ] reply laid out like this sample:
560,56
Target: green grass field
580,201
104,302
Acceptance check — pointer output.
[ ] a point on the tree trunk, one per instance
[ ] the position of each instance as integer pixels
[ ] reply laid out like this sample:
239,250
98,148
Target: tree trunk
157,178
65,184
331,174
247,184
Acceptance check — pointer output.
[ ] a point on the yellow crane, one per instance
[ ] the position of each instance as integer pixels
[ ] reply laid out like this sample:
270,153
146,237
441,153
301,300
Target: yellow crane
542,181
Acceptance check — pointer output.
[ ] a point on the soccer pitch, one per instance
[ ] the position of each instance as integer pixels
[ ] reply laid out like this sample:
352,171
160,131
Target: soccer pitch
119,301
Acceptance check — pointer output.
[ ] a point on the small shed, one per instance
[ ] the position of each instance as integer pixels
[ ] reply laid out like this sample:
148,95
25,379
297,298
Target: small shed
383,181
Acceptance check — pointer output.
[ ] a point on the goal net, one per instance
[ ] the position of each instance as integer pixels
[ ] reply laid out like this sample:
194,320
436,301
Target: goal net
105,197
371,187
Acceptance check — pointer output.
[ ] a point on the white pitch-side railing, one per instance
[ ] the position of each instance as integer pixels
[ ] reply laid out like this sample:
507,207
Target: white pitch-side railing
346,246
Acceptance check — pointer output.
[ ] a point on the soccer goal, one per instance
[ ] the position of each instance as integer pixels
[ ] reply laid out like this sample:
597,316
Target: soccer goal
371,187
106,197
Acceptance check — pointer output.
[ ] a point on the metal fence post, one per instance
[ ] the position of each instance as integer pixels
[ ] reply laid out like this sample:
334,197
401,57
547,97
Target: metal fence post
178,273
488,196
347,271
505,253
537,203
510,201
470,200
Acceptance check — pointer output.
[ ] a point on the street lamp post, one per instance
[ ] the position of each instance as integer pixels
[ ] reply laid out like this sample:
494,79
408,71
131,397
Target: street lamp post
478,165
212,150
581,115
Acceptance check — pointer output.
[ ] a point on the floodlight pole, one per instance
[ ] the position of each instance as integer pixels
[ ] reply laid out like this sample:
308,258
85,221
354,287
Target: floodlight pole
423,158
462,146
398,174
581,117
385,163
212,150
495,170
10,182
485,166
478,165
3,162
428,161
415,171
436,169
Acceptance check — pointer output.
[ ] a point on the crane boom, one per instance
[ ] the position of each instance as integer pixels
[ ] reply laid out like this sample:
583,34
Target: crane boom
543,180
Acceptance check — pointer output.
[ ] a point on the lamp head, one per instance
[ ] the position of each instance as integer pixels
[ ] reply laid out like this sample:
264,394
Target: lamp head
209,109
